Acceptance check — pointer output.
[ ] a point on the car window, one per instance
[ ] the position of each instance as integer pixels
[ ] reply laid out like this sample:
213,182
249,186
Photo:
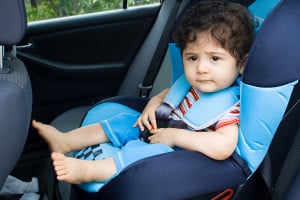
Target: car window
47,9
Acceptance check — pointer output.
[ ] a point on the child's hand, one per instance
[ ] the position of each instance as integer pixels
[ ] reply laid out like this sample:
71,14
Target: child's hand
163,136
147,117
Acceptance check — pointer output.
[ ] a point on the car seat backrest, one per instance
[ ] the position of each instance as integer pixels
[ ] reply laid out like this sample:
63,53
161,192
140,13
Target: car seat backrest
262,90
15,88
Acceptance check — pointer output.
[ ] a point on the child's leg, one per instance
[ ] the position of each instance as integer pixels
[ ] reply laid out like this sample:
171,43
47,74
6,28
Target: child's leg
72,140
76,171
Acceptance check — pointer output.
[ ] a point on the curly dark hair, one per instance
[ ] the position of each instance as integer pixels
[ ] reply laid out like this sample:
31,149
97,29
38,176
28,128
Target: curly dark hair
231,25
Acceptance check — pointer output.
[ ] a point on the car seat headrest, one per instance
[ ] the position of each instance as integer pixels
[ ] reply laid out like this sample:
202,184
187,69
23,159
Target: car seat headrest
274,58
13,21
260,10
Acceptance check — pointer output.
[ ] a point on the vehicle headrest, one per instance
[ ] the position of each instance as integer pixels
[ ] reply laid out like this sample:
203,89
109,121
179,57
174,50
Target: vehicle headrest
274,57
13,21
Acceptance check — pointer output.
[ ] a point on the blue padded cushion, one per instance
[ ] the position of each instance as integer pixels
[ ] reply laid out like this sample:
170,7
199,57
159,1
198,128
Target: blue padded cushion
13,21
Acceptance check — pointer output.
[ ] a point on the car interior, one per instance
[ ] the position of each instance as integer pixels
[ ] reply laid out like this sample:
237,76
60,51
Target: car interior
57,70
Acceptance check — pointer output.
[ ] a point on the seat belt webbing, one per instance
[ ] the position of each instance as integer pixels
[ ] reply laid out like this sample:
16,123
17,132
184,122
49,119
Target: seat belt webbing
159,54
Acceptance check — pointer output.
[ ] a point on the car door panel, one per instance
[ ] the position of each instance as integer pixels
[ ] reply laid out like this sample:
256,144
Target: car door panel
82,59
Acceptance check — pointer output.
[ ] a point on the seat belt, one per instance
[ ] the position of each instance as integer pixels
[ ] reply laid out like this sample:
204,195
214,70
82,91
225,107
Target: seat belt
146,86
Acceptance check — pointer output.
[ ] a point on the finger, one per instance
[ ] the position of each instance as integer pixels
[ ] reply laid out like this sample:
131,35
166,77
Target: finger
146,122
152,119
135,124
156,131
140,123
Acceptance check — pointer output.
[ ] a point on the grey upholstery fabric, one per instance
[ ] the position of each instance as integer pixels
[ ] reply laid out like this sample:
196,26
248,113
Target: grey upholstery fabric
70,119
12,21
15,114
15,89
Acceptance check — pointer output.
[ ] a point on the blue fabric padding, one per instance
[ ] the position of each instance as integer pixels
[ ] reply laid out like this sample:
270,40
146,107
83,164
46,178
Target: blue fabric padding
118,113
98,113
91,186
261,112
176,61
136,150
104,111
219,103
119,128
177,92
108,151
274,57
260,10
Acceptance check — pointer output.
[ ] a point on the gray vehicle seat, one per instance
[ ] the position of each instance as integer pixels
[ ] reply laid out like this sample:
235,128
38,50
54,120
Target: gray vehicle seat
15,87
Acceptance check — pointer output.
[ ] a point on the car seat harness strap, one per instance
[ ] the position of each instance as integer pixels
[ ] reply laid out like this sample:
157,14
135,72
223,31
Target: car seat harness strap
229,97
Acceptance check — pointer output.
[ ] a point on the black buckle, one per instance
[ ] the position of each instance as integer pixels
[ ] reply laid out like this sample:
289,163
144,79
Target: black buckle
145,90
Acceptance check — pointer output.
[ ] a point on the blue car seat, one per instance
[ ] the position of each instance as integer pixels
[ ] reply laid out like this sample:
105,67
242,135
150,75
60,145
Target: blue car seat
15,87
265,88
265,92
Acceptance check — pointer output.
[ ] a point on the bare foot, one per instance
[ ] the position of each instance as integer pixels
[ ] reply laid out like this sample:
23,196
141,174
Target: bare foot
77,171
52,136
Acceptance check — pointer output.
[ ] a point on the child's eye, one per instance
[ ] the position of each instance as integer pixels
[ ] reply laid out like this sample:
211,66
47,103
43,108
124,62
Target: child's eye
215,58
192,58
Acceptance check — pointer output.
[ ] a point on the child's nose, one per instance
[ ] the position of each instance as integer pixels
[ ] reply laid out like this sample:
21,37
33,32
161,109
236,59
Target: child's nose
202,67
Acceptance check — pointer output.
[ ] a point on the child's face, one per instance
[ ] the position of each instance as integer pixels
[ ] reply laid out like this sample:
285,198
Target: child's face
207,66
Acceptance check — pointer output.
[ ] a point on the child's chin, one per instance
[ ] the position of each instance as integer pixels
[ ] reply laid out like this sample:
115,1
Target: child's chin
208,89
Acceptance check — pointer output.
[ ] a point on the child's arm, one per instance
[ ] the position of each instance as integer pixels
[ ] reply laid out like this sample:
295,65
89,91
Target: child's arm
147,117
218,144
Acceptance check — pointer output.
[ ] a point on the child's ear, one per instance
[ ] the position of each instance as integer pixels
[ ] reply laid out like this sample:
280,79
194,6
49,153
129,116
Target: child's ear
242,69
243,63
